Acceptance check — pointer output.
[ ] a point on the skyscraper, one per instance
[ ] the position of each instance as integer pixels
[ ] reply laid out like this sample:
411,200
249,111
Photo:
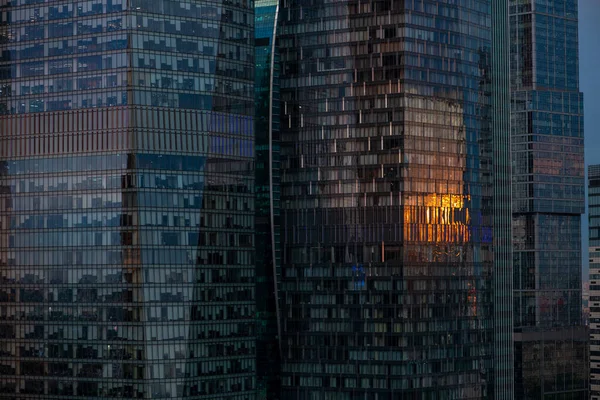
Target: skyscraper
594,299
548,200
127,199
268,259
394,149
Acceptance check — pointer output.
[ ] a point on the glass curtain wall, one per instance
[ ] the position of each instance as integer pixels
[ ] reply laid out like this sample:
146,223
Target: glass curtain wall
127,199
387,181
548,200
594,278
268,257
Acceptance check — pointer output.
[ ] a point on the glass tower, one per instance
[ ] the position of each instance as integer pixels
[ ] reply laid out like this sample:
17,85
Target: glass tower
266,87
594,301
548,200
392,158
127,199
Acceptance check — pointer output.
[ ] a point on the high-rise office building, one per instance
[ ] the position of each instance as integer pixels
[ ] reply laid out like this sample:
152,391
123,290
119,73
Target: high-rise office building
548,200
266,87
394,191
594,288
127,199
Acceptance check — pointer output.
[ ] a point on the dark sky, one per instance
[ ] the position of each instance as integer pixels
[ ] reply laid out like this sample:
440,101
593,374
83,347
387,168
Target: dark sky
589,83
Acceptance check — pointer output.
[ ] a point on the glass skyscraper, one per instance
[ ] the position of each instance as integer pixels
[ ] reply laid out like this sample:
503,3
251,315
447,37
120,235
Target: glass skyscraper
127,199
594,300
268,259
394,148
548,200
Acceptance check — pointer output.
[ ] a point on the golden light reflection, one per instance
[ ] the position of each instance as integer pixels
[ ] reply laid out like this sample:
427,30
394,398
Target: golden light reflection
437,211
441,218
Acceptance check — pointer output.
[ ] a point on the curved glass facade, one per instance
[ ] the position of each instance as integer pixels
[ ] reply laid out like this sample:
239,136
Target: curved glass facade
387,184
127,199
268,259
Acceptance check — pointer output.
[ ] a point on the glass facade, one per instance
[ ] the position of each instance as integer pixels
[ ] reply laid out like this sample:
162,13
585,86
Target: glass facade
548,200
594,299
127,265
390,160
502,200
268,259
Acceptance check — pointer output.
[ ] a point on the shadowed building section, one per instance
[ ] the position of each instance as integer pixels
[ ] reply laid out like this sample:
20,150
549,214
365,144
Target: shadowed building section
268,259
594,298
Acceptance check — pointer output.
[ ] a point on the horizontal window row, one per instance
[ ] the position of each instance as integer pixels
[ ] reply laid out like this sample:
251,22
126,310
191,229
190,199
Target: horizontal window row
63,11
105,162
22,261
237,105
104,182
79,64
230,312
145,238
127,353
69,28
150,294
238,387
65,47
141,218
156,332
128,370
371,384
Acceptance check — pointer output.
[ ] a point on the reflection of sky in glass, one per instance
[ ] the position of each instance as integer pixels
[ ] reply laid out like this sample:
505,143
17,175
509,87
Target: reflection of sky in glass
135,223
359,276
